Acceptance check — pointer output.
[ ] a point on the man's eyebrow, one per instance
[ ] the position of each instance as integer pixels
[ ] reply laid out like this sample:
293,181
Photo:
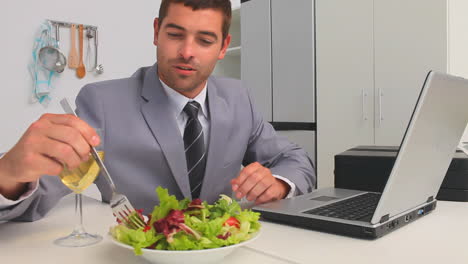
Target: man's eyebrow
209,33
172,25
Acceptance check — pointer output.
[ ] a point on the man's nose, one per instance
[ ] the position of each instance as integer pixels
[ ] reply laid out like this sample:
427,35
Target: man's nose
187,49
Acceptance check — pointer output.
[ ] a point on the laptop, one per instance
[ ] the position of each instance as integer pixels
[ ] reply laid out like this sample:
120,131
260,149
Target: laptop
431,138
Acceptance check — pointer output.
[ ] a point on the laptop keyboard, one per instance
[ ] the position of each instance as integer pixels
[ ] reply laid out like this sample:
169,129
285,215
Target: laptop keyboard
360,207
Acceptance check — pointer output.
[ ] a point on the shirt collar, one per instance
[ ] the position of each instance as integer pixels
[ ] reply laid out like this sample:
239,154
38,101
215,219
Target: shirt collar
178,101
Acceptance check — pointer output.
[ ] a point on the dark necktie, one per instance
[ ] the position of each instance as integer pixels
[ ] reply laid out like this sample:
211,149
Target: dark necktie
194,148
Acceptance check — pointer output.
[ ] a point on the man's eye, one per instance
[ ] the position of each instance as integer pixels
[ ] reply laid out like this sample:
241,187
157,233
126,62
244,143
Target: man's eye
175,35
207,41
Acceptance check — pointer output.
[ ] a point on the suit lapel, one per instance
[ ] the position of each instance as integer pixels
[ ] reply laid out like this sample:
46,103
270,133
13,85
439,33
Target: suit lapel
219,126
163,125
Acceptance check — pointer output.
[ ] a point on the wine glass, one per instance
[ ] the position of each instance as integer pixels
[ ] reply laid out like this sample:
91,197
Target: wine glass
78,180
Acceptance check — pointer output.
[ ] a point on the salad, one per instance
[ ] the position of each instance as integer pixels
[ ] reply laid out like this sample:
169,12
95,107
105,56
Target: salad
189,225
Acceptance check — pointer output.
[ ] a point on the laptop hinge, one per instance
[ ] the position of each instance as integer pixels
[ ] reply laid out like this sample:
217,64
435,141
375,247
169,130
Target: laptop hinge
384,218
430,199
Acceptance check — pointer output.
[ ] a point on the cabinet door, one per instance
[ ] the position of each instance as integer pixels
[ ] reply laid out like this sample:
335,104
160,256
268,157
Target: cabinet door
410,40
344,80
256,54
293,60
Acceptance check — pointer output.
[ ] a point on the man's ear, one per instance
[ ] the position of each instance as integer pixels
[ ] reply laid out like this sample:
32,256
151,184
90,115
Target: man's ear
156,31
225,46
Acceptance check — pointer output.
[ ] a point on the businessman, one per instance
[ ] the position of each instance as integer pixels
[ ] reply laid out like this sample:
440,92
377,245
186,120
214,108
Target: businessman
170,124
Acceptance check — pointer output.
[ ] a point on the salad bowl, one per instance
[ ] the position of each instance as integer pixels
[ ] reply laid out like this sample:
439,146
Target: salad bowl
213,255
188,231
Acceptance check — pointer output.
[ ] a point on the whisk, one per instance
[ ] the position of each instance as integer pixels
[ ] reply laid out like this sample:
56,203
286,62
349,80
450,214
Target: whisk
99,69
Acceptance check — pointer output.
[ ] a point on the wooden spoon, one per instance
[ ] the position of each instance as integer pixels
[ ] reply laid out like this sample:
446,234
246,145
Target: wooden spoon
73,55
81,71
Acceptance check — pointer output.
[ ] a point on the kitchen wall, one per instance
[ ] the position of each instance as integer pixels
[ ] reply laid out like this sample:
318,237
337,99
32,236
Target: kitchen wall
458,37
125,44
458,42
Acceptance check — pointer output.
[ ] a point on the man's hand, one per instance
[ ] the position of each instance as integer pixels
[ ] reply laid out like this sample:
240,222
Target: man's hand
257,183
51,141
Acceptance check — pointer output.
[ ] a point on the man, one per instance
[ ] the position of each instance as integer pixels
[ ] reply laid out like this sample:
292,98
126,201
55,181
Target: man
169,125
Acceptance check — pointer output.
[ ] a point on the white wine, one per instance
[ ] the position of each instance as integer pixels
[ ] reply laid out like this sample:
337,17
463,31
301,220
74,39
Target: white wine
82,177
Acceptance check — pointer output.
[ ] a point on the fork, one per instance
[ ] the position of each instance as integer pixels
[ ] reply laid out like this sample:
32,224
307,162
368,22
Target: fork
121,206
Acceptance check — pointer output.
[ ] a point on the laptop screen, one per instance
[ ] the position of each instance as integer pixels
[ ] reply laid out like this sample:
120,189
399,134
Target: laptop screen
433,133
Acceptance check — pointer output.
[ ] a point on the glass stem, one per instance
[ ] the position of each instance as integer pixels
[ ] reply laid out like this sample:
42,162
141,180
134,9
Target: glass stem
79,229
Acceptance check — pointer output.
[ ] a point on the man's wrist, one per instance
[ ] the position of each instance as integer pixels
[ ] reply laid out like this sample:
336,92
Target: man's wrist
9,189
285,187
14,191
291,186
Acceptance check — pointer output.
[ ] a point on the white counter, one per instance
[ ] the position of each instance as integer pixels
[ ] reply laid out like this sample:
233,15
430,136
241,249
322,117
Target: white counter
440,237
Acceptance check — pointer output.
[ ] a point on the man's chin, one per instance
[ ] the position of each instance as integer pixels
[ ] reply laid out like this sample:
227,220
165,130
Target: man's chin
183,87
183,84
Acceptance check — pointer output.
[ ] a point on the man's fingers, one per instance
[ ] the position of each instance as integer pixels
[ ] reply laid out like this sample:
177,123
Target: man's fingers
71,137
260,174
257,183
278,190
260,188
49,143
48,165
248,184
60,151
37,164
244,174
72,121
66,129
267,196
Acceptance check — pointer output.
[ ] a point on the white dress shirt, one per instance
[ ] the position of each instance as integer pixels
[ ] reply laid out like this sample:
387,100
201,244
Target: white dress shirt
177,102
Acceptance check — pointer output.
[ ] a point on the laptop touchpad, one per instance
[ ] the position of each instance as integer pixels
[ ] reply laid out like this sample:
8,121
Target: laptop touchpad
323,198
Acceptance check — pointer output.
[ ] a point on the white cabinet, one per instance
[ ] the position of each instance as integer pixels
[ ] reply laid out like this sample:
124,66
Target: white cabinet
348,72
256,71
278,58
372,58
410,39
274,83
278,65
293,63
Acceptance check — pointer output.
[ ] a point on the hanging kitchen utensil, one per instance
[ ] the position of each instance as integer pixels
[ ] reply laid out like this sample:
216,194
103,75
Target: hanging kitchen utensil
81,70
73,55
99,68
50,57
90,52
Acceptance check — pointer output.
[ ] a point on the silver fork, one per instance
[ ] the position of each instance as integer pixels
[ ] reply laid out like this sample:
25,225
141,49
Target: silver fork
121,206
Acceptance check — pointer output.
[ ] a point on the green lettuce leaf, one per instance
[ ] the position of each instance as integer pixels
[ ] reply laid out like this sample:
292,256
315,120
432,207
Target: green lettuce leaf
135,237
166,204
208,222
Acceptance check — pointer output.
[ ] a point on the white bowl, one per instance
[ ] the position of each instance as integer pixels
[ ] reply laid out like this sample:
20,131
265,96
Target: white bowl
213,255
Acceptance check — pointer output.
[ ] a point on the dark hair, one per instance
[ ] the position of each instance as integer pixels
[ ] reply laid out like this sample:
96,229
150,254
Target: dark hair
222,5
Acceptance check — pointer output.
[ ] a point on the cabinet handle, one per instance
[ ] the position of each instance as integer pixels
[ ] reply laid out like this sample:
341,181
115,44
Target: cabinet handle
364,95
380,107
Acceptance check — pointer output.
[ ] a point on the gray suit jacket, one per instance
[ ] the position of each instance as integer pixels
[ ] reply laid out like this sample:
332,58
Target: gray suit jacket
144,149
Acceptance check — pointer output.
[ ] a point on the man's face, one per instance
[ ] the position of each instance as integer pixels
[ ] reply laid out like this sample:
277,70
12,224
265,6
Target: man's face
189,43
